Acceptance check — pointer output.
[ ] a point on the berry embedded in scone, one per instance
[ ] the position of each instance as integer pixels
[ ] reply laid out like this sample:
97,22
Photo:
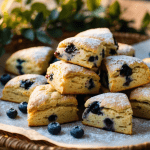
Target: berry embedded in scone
20,88
47,105
86,52
109,111
122,72
34,60
72,79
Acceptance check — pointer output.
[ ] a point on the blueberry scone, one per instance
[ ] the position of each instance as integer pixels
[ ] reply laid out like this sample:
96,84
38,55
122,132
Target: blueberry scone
105,35
85,52
140,101
123,72
109,111
47,105
34,60
72,79
147,61
20,88
125,49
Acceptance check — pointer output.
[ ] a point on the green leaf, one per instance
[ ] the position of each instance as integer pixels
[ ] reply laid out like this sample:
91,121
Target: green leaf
2,51
28,34
114,9
19,1
42,37
146,20
6,36
54,15
93,4
68,10
38,21
28,1
55,32
40,7
96,12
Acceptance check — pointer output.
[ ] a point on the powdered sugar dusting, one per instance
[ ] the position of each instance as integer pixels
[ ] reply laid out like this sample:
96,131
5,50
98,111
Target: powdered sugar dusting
115,62
116,101
35,53
103,34
66,68
37,79
125,48
82,42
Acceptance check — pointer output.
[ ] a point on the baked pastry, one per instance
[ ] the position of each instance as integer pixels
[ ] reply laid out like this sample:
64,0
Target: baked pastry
46,105
105,35
85,52
20,88
34,60
72,79
122,72
109,111
147,61
125,49
140,101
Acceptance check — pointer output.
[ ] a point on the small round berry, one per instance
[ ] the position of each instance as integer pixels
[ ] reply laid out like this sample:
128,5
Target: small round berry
23,107
54,128
12,113
5,78
77,132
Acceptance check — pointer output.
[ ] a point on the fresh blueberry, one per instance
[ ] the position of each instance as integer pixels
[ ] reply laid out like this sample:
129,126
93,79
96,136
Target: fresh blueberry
23,107
26,84
52,117
77,132
51,77
70,48
12,113
5,78
112,52
54,128
125,70
108,125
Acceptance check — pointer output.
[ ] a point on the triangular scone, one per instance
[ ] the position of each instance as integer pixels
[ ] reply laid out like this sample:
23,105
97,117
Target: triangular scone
34,60
72,79
86,52
140,101
105,35
125,49
122,72
20,88
109,111
46,105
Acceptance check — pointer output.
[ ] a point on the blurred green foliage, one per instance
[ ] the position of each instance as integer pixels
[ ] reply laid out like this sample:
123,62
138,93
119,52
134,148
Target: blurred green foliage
38,22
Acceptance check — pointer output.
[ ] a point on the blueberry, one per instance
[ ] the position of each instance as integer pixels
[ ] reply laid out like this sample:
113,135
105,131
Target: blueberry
52,117
19,67
23,107
51,76
70,48
108,125
20,61
54,128
12,113
91,58
125,70
5,78
112,52
77,132
90,84
26,84
128,80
